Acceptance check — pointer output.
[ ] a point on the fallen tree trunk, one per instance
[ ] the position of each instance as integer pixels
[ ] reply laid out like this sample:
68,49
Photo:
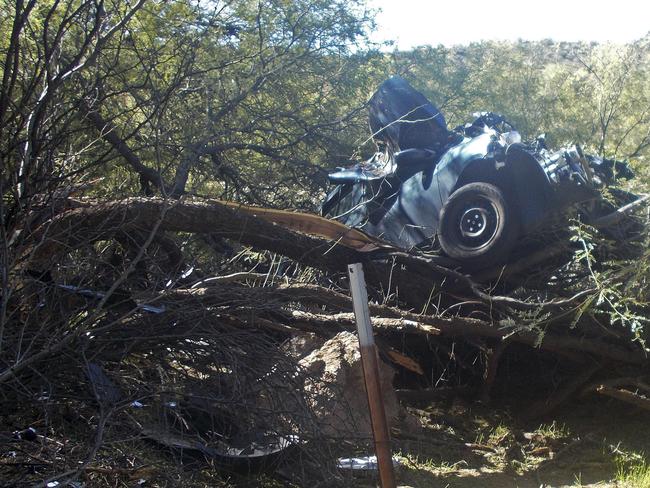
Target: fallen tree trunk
415,278
395,319
70,229
625,396
462,326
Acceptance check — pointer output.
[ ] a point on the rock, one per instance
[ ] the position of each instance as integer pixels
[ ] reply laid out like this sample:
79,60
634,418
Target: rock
337,392
302,345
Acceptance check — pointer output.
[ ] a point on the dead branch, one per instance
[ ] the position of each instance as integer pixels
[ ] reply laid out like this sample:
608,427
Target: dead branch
625,396
242,277
639,383
564,393
244,224
616,216
505,301
489,376
408,322
346,320
101,221
109,132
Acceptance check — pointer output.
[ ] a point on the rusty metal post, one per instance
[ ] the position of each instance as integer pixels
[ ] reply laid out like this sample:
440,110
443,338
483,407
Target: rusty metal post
371,376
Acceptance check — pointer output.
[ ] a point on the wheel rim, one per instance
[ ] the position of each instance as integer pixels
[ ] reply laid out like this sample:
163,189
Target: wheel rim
478,223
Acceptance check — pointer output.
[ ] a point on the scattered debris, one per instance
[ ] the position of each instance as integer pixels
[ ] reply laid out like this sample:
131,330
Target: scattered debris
247,355
104,389
261,451
476,191
28,434
365,464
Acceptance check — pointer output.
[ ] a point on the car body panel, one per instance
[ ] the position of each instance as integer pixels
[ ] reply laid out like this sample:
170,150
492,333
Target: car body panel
398,194
402,118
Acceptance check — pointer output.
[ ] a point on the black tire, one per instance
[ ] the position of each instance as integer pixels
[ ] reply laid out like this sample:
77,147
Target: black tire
477,225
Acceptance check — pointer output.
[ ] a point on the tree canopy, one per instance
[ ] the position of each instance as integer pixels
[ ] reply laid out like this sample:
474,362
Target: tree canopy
139,139
256,101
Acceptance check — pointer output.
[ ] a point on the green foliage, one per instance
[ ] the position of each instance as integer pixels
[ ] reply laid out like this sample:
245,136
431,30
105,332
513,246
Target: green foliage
553,431
236,100
257,101
618,272
239,100
632,470
597,95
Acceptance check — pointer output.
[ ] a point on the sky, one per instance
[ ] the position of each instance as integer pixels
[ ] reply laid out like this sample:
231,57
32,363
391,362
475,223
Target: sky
418,22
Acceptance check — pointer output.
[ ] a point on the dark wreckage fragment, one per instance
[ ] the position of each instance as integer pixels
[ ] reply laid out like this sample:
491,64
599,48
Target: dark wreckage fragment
475,190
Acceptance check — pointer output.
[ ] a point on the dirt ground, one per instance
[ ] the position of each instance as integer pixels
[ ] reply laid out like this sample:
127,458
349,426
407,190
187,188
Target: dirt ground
592,442
588,443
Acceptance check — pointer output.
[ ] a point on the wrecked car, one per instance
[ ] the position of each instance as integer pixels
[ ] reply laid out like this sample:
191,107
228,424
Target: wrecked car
475,190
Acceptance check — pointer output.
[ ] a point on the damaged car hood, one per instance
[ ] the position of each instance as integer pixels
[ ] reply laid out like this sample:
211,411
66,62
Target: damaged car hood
400,192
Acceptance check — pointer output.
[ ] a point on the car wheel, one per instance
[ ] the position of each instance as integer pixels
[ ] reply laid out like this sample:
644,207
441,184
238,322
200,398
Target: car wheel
477,225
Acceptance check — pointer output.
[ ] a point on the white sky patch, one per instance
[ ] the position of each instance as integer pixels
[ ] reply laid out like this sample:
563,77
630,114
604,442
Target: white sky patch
419,22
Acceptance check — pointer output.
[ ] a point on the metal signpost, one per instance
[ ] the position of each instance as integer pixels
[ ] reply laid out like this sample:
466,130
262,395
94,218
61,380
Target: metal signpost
371,376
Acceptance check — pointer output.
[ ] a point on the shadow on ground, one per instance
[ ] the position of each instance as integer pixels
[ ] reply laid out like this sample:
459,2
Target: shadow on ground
467,445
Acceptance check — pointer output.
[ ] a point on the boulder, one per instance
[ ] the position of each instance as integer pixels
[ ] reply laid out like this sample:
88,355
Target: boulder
335,386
